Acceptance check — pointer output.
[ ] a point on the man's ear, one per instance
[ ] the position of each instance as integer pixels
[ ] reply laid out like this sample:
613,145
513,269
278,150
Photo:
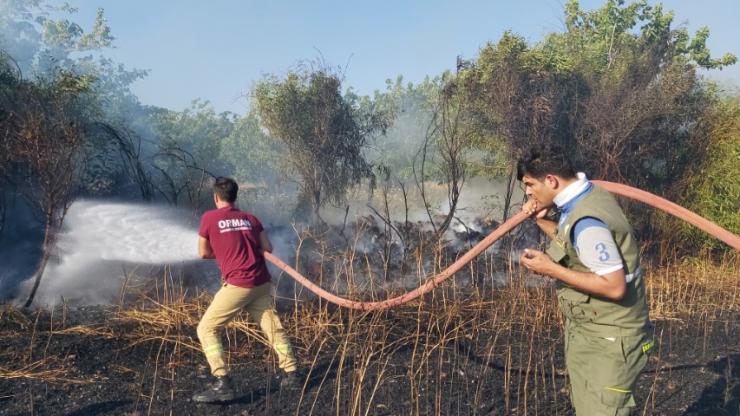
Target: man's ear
552,181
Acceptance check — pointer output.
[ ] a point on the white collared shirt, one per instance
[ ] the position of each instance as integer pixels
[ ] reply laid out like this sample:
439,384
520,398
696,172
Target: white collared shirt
573,190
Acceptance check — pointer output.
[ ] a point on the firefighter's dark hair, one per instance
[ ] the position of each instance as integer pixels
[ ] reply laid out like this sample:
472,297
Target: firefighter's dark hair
542,160
226,189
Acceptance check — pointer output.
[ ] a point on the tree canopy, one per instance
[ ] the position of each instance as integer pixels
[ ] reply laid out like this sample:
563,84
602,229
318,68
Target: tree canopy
324,133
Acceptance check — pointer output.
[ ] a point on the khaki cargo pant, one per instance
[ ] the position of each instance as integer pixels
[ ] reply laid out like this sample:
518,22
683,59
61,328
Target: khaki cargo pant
603,372
226,304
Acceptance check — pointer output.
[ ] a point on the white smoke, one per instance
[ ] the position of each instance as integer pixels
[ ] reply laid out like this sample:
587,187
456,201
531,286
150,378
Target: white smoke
103,242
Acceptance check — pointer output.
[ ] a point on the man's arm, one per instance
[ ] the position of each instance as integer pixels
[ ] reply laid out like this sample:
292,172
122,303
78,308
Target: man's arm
610,285
265,244
549,227
204,249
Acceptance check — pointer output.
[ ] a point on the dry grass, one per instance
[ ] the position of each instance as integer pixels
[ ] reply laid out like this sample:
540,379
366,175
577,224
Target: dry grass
511,334
47,370
695,287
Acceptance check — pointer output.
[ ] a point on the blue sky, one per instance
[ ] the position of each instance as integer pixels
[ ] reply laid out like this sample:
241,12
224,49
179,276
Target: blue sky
216,50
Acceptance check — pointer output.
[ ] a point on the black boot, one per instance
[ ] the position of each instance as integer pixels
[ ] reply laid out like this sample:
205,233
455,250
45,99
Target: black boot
218,391
291,380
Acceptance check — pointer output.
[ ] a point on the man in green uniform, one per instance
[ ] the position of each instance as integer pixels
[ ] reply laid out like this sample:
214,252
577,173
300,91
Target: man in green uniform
594,259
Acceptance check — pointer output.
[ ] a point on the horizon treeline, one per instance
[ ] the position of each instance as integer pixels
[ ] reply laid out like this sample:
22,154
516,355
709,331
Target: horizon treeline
619,86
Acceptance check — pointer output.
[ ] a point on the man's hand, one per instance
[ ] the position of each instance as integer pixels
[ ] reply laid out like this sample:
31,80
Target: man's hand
547,226
538,262
610,286
530,207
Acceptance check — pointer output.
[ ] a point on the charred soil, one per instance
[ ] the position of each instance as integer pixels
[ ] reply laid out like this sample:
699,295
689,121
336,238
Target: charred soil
454,353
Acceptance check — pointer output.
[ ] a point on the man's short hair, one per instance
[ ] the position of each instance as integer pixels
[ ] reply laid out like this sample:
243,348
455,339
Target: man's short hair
541,160
225,188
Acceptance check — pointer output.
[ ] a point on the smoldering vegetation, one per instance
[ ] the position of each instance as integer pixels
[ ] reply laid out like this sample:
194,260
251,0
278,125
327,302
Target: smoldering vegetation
368,196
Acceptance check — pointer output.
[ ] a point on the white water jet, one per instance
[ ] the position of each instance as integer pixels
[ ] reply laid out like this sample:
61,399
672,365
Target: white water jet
100,239
129,232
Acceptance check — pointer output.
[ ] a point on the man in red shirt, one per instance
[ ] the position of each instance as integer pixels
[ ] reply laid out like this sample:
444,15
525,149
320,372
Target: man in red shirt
237,241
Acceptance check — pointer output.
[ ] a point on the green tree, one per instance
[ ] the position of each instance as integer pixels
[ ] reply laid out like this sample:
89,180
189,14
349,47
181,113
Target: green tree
42,46
712,187
40,43
44,152
619,87
324,133
188,152
413,110
517,95
253,156
643,100
254,160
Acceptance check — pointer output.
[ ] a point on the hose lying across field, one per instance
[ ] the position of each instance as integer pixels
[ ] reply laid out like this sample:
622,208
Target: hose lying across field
615,188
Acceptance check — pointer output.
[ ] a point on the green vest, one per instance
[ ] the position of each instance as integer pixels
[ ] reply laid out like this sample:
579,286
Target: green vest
590,314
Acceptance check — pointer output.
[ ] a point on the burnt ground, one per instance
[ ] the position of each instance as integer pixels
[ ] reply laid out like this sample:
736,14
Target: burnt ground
91,361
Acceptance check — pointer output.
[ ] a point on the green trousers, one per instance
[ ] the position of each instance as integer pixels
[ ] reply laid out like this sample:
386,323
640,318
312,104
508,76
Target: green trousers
603,371
227,302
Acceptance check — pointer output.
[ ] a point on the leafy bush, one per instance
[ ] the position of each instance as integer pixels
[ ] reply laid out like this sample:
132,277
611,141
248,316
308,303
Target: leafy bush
713,188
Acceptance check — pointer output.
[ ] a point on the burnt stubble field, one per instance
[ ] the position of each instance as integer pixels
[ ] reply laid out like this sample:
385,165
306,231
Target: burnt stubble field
461,350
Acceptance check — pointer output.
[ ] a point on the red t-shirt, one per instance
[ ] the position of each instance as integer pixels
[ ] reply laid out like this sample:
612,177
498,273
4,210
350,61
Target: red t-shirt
234,236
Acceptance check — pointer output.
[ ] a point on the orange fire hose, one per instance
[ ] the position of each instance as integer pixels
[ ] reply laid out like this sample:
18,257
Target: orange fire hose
676,210
619,189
